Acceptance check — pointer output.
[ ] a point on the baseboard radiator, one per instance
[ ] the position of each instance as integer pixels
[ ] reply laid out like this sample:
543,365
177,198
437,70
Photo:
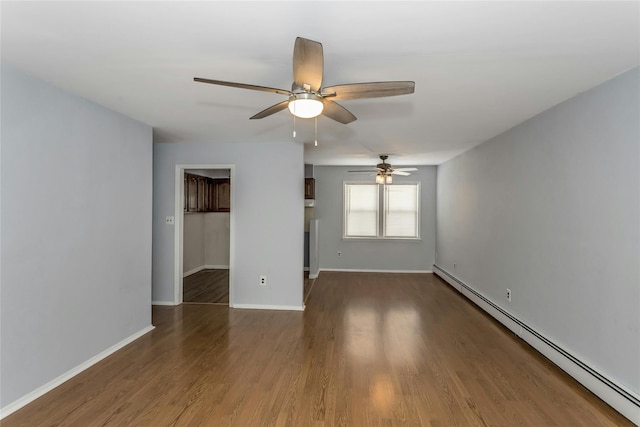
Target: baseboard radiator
617,396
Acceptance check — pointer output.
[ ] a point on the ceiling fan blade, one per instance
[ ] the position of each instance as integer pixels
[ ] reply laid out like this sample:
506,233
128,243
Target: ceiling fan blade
405,169
397,172
367,170
244,86
271,110
308,63
369,90
337,112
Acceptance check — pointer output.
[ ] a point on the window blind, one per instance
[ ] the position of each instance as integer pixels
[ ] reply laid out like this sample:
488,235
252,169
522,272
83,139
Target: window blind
361,210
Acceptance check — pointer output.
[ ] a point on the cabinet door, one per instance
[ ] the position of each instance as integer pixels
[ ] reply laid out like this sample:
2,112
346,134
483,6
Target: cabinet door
185,189
211,191
203,194
309,188
223,195
192,204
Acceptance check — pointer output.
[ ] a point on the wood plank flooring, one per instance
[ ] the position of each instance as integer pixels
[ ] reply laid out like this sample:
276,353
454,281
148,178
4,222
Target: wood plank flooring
207,286
369,350
212,287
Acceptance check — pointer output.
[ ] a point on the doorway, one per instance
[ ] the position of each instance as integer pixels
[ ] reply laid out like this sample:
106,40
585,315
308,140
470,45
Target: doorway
204,234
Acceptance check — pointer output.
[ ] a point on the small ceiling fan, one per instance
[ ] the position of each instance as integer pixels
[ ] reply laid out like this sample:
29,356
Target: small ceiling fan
384,171
307,98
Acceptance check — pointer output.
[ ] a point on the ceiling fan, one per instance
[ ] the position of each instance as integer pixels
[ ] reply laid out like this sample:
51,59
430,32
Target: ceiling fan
384,171
307,98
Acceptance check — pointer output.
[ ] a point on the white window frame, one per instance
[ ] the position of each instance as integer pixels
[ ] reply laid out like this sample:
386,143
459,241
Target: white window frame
346,210
381,211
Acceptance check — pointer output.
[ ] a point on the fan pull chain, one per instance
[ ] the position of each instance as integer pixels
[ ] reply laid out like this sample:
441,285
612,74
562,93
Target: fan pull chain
316,126
294,119
294,123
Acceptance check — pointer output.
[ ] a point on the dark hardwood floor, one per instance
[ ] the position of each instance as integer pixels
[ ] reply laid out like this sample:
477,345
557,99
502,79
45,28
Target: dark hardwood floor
207,286
369,350
212,287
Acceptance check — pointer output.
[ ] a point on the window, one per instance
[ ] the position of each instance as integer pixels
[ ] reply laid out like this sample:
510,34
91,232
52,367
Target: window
361,210
381,211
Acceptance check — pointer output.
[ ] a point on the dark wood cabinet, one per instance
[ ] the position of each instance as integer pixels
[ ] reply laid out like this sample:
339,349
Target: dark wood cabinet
202,194
185,199
223,195
191,193
211,191
309,188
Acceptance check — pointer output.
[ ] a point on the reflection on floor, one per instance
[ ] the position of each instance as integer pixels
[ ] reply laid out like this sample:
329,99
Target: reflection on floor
370,349
207,286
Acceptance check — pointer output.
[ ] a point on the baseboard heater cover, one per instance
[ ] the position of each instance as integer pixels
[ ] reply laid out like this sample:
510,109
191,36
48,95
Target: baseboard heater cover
623,400
361,270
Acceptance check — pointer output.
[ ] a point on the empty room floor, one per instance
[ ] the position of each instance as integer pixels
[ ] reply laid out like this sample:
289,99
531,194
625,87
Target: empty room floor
212,287
207,286
369,350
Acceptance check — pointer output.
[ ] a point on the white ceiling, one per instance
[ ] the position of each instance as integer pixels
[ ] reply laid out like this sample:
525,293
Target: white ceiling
480,67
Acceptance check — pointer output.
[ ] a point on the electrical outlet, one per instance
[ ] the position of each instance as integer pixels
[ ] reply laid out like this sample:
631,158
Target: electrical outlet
170,220
339,254
263,280
509,295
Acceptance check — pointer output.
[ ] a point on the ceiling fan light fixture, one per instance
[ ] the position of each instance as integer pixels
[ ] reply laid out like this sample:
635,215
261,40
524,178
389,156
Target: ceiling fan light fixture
388,179
379,178
306,105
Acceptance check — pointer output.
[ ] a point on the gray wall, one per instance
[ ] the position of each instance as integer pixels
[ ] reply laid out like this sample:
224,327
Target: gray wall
372,254
267,207
193,242
551,210
206,241
216,239
76,232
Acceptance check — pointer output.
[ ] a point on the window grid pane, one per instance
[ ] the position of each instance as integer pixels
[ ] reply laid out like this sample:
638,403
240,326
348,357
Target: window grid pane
401,211
361,210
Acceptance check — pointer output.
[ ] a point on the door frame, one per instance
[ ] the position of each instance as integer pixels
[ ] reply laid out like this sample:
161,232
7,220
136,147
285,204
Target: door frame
179,229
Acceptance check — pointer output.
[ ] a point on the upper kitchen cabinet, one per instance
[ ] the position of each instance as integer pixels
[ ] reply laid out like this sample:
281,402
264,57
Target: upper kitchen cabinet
309,188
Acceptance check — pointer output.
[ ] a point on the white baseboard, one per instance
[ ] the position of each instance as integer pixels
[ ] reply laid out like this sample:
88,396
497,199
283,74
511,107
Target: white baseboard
192,271
216,267
205,267
360,270
270,307
625,401
313,276
163,303
30,397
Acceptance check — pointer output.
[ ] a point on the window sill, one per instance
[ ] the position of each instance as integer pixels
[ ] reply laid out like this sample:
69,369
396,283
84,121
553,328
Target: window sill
382,239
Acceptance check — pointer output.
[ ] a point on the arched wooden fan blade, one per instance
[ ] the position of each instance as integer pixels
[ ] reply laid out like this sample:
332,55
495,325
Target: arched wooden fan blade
369,90
244,86
337,112
397,172
308,63
271,110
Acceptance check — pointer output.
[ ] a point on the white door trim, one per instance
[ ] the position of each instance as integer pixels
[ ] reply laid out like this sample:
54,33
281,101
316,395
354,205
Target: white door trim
179,229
